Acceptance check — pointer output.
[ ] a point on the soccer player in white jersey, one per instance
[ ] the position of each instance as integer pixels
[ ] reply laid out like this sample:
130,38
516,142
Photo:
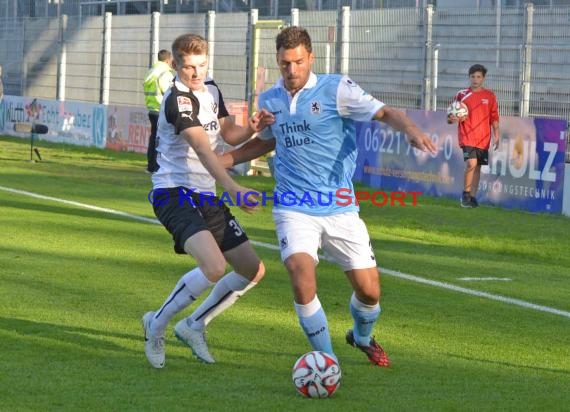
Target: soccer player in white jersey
315,143
192,118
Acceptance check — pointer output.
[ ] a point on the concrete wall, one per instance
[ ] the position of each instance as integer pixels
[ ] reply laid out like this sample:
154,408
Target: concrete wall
387,54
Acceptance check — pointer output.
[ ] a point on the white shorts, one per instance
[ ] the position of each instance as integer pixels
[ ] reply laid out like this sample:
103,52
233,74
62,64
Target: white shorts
343,238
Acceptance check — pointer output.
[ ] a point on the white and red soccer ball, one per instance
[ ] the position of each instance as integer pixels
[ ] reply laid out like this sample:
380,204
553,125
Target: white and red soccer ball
316,375
458,109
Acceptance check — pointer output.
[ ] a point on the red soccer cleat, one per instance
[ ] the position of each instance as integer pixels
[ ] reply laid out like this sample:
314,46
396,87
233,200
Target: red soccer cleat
376,355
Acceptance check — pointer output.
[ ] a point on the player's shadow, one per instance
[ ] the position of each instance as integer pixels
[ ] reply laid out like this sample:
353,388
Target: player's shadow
49,337
72,335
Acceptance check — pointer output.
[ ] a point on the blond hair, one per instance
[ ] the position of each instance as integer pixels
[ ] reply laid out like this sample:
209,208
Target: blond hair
188,44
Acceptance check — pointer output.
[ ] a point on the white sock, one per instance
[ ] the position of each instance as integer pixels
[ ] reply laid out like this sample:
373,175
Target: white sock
187,290
226,292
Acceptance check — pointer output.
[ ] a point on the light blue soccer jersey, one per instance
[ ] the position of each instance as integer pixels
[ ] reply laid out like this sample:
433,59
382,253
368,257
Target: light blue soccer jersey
316,142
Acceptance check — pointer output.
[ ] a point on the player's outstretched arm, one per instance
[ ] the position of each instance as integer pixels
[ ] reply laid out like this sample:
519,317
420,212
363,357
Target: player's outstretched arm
198,139
249,151
235,135
399,121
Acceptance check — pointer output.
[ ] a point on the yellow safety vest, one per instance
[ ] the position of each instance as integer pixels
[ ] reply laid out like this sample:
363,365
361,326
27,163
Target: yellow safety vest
152,90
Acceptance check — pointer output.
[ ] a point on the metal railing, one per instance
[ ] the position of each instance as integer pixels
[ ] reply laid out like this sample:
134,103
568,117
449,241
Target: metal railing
409,58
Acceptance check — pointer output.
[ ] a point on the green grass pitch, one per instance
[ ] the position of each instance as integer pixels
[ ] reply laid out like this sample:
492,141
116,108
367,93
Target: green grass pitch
74,283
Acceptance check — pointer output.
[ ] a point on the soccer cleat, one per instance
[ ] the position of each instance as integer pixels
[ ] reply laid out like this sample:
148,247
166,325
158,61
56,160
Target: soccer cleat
466,200
376,355
153,344
474,202
195,339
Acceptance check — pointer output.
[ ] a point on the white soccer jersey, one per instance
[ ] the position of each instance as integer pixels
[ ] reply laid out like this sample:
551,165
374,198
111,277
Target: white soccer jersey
182,108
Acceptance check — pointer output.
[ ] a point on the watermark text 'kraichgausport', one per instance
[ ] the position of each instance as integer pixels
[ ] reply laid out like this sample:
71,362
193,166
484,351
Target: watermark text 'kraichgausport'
341,197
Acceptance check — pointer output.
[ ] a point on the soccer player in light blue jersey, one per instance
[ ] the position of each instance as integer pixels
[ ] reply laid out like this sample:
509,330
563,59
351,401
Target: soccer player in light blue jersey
315,154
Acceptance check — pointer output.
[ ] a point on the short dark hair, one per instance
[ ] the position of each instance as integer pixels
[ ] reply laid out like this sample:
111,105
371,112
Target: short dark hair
478,68
164,55
293,36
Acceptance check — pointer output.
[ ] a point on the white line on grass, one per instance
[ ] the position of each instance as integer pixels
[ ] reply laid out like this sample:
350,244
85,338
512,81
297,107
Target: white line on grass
491,279
82,205
412,278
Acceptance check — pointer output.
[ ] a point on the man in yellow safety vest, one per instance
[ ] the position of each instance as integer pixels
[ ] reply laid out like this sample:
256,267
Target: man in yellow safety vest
157,80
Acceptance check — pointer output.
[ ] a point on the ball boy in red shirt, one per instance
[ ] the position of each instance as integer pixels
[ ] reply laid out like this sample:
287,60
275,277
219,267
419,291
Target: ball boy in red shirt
474,130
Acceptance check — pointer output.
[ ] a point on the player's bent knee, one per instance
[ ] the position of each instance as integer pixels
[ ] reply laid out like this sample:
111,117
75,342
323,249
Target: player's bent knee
370,299
254,272
214,270
259,274
369,296
247,264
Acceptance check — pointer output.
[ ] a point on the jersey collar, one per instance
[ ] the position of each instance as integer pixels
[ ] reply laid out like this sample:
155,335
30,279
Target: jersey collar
183,88
311,82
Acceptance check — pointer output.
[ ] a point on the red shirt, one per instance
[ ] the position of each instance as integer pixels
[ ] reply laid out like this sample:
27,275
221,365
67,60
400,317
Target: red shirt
475,131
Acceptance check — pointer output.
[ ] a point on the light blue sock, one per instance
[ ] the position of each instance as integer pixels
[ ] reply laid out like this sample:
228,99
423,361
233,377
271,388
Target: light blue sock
365,317
314,323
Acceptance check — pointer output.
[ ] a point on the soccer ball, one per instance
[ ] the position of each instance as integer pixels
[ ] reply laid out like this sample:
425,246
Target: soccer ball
316,375
458,109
